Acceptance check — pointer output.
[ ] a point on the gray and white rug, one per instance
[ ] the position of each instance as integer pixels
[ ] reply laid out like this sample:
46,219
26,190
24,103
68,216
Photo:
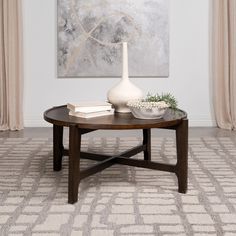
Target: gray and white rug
120,200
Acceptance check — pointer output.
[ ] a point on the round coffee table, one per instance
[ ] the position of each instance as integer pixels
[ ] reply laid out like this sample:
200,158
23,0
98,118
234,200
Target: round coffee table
59,117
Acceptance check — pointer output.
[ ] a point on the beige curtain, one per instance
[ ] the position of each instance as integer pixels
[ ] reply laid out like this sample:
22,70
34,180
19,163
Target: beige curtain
11,117
224,62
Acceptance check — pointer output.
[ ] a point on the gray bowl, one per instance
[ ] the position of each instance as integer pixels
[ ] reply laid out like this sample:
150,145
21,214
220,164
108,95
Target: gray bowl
148,113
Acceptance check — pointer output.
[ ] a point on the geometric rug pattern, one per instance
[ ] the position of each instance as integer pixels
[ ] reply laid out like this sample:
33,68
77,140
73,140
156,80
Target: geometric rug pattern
120,200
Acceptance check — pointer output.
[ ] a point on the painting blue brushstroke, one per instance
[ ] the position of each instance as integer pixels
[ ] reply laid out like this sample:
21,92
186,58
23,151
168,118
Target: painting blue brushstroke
91,32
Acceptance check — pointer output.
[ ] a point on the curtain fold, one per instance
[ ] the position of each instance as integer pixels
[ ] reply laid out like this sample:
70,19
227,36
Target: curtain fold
11,68
224,62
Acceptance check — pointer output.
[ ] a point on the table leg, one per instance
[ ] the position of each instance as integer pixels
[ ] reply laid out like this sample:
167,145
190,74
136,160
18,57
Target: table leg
147,142
74,163
57,147
182,156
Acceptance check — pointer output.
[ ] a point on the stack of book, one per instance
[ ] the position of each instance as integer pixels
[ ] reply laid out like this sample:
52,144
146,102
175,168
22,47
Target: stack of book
90,109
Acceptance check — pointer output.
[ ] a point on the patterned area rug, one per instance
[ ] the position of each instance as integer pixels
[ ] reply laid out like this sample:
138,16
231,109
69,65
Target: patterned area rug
120,200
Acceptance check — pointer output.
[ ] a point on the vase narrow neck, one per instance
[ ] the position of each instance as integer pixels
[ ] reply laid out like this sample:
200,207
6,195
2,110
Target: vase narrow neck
125,74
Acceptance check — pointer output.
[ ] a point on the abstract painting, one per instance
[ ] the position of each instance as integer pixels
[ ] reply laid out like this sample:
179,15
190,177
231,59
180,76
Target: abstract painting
91,32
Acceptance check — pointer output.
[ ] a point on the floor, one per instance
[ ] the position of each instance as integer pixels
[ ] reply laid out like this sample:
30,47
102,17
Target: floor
193,132
120,200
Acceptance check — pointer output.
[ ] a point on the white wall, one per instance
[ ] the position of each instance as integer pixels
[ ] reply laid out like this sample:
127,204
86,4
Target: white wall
189,67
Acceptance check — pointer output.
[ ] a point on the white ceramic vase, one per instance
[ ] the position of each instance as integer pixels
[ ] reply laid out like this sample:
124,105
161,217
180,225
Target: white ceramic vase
125,90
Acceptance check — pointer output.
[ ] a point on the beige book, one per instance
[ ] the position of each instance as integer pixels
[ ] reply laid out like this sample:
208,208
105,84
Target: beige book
91,114
88,107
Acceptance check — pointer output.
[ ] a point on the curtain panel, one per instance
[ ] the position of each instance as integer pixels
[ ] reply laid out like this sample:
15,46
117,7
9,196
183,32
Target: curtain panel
11,74
224,62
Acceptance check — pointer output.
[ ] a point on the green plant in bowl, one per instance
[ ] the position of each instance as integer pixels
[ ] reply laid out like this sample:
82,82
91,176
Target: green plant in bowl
168,98
153,106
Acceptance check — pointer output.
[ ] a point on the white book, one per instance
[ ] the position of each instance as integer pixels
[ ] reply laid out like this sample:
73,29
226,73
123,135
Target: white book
88,107
91,114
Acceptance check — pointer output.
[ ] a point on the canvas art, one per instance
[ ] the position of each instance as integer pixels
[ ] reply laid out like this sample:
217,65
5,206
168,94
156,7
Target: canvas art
91,32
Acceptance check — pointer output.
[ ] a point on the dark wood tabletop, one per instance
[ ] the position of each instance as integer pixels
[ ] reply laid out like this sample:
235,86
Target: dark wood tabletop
60,116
